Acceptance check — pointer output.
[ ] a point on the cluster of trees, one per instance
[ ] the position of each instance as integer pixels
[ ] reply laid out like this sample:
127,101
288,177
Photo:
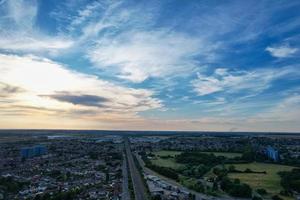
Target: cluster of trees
8,184
198,158
196,171
198,187
165,171
291,180
232,169
235,188
291,161
197,163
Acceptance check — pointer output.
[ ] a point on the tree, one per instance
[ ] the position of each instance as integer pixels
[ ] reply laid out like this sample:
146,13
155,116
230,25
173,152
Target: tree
192,196
248,154
276,197
156,197
231,168
261,191
256,198
291,180
106,177
215,185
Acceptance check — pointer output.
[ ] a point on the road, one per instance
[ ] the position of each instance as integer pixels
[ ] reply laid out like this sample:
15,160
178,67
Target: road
125,192
138,184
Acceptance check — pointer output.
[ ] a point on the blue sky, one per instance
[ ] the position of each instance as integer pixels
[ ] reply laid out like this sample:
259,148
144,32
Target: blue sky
150,65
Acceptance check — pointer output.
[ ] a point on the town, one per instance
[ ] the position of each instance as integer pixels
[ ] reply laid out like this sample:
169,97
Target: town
167,166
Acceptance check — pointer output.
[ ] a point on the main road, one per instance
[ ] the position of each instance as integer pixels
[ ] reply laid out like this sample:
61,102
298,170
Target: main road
138,184
125,192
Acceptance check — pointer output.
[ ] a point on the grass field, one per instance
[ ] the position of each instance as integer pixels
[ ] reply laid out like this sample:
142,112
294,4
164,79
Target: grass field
166,162
269,181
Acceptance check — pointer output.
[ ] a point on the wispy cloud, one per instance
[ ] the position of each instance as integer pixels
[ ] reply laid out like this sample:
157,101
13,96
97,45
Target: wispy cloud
288,109
19,32
8,90
136,56
282,51
224,80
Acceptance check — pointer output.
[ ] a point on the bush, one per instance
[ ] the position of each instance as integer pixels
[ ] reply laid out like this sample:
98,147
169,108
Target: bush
240,190
261,191
276,197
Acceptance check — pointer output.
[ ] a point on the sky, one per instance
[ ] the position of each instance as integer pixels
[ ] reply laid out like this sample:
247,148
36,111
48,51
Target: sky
203,65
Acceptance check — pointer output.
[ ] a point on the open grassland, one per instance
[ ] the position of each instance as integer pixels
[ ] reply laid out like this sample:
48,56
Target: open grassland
166,162
269,181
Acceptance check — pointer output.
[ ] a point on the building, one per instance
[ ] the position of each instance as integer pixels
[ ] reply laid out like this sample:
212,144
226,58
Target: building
272,153
40,150
29,152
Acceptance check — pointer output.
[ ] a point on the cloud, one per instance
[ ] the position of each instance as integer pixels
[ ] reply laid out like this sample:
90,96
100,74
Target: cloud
120,39
283,51
86,100
223,80
287,109
52,86
84,14
20,34
35,44
7,90
138,55
19,14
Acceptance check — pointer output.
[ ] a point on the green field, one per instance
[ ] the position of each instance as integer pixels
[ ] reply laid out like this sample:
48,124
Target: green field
269,181
166,162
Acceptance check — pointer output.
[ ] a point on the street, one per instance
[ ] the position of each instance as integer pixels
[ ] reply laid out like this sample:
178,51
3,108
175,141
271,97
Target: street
138,184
